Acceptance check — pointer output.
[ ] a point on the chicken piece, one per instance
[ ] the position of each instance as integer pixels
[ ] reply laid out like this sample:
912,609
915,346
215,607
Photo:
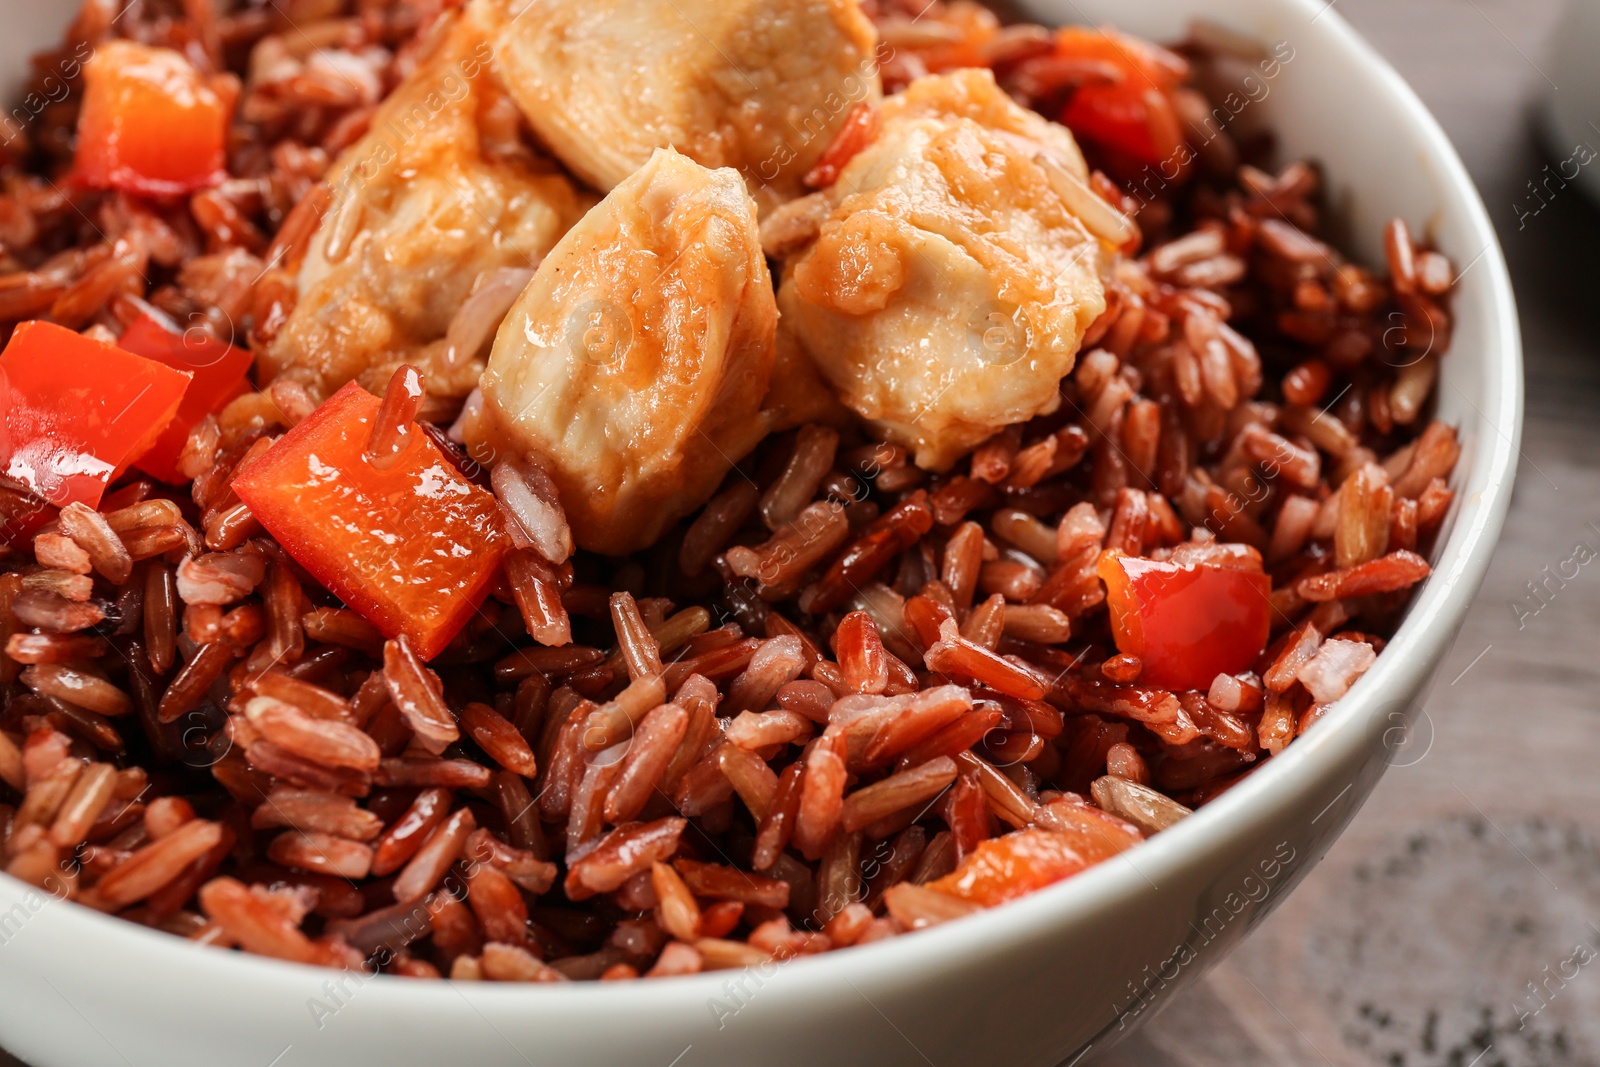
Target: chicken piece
438,193
758,85
798,394
634,365
947,292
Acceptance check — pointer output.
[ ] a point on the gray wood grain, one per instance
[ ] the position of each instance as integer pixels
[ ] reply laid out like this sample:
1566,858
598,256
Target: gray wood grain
1439,929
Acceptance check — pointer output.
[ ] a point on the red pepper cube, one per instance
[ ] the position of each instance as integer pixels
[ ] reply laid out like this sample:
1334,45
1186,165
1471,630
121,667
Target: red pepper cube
413,547
1115,117
219,371
1187,624
75,412
1132,58
1129,115
151,123
1013,866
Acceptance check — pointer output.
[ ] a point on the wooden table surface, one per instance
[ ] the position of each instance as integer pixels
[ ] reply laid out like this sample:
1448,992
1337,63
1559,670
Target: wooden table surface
1453,923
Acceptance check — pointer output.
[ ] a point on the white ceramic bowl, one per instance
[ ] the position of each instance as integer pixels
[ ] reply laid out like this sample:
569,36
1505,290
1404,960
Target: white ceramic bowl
1033,983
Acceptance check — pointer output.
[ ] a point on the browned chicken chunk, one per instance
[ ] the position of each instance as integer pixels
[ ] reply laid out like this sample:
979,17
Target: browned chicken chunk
947,290
439,193
758,85
634,365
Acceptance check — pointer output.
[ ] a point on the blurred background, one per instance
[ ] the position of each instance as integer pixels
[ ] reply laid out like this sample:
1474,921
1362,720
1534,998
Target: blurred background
1457,921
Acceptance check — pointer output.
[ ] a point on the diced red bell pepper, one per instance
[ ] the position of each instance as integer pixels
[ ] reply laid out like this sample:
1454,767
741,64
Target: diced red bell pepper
219,376
1133,118
1187,624
413,547
1113,116
1137,58
1005,868
151,123
75,412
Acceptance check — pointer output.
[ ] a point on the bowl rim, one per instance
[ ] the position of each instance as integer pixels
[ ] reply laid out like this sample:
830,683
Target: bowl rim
1429,626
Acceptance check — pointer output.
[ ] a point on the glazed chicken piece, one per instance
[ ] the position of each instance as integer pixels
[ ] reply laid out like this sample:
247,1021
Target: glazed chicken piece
949,284
437,194
758,85
634,365
798,394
